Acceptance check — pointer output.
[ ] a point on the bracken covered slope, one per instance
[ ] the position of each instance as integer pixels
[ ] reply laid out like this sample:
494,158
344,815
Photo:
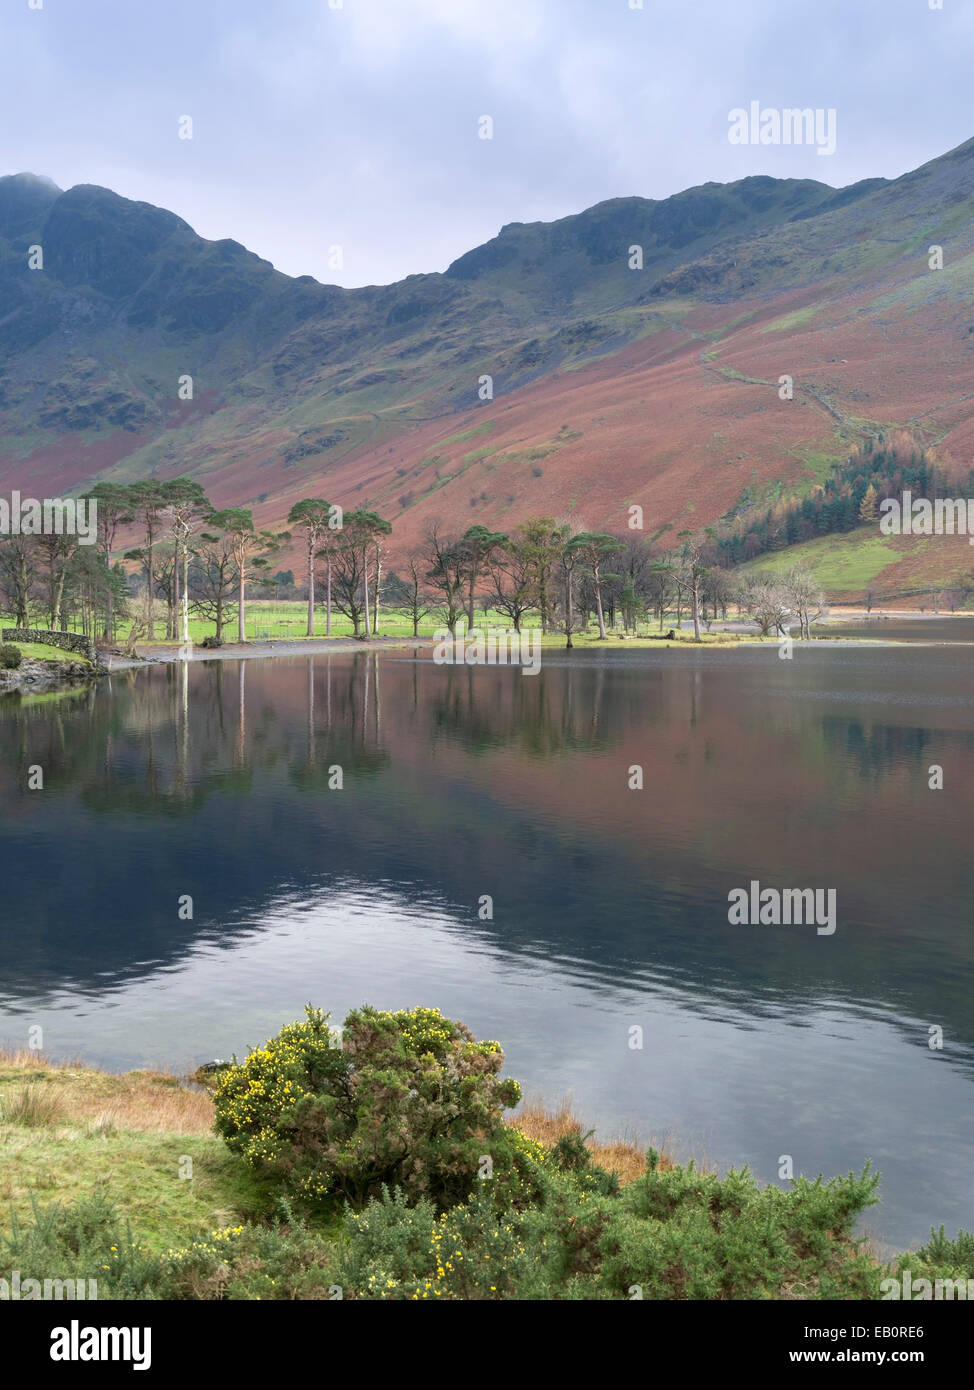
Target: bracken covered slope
611,385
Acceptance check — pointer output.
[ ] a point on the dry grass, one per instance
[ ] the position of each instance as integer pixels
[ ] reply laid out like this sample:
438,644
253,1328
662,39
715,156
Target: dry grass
40,1092
621,1154
34,1105
36,1092
23,1058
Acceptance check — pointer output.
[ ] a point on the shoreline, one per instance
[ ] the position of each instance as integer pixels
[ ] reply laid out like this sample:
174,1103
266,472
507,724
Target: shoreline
39,676
157,653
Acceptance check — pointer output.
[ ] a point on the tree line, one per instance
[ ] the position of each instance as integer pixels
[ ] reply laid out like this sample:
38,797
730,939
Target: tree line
195,558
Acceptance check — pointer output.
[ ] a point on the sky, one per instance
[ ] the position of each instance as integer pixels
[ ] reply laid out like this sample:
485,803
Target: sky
357,123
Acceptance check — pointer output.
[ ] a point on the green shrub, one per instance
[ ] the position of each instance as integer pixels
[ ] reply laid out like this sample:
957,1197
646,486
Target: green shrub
10,656
406,1100
683,1234
87,1240
90,1240
675,1235
957,1253
282,1260
400,1252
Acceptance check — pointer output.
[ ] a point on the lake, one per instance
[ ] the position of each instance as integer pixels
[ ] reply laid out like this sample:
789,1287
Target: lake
215,782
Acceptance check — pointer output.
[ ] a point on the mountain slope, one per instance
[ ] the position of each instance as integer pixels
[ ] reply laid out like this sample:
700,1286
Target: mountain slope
611,385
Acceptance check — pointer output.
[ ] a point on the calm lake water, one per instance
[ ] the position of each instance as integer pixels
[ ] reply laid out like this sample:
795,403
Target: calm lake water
610,905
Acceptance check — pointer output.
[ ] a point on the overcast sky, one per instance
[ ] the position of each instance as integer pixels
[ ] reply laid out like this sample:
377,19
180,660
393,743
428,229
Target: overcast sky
358,125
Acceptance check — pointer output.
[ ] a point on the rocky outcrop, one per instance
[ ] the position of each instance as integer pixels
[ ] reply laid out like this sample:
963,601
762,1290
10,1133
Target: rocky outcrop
35,676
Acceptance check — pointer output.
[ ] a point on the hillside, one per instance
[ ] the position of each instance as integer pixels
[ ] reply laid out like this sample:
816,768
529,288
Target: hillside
611,385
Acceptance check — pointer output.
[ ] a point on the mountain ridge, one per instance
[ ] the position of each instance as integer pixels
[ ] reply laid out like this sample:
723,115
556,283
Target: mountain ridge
610,384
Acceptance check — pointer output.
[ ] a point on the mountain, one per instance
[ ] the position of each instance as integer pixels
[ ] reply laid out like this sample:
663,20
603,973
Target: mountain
612,385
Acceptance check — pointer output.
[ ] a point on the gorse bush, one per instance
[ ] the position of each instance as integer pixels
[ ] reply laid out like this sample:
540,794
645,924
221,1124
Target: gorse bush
575,1246
689,1235
10,656
400,1252
679,1234
407,1100
87,1240
957,1254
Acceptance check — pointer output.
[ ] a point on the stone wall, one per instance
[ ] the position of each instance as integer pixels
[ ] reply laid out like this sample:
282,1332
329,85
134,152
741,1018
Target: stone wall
67,641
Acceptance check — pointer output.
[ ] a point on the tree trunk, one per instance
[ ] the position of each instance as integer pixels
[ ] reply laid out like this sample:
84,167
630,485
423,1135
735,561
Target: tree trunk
311,582
174,600
365,573
186,595
58,597
241,614
375,601
328,600
598,603
150,626
473,580
695,594
109,633
23,588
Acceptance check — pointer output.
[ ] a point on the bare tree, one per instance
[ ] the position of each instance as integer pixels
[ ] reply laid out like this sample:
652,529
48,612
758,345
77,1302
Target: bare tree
806,598
512,580
250,549
660,588
446,571
692,574
211,579
416,597
767,602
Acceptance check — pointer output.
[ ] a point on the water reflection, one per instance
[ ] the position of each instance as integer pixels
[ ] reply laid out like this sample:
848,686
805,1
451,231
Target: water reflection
217,781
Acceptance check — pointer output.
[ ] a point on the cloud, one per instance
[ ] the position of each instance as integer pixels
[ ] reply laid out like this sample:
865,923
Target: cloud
358,125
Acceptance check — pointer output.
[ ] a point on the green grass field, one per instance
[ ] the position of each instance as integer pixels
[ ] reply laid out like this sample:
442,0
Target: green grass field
68,1131
287,621
840,563
41,652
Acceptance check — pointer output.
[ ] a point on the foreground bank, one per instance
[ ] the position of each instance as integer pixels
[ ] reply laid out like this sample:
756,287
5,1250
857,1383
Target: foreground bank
378,1166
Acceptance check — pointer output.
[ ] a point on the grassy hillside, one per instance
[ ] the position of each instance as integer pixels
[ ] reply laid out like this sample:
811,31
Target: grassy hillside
913,569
